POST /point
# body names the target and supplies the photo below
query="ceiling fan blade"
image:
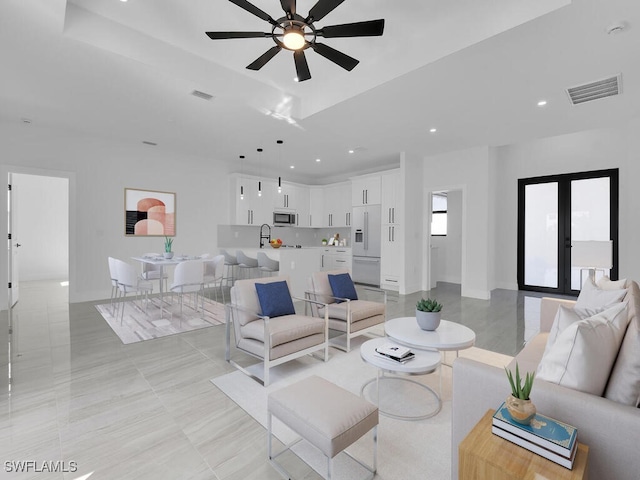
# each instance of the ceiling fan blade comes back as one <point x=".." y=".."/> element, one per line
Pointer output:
<point x="251" y="8"/>
<point x="289" y="6"/>
<point x="262" y="60"/>
<point x="302" y="67"/>
<point x="371" y="28"/>
<point x="337" y="57"/>
<point x="226" y="35"/>
<point x="321" y="9"/>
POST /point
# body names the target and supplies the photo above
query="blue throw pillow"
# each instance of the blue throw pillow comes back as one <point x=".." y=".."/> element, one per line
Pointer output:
<point x="275" y="299"/>
<point x="342" y="286"/>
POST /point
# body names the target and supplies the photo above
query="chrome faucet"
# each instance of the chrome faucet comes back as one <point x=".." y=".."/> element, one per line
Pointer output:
<point x="263" y="236"/>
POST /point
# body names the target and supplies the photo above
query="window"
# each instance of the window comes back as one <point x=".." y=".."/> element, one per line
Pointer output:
<point x="439" y="214"/>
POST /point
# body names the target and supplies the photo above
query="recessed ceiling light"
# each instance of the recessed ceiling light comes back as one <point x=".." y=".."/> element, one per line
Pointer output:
<point x="317" y="159"/>
<point x="433" y="130"/>
<point x="123" y="1"/>
<point x="351" y="151"/>
<point x="295" y="79"/>
<point x="542" y="103"/>
<point x="292" y="166"/>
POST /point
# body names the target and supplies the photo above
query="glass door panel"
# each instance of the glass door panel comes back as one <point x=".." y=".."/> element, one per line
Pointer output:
<point x="541" y="235"/>
<point x="590" y="216"/>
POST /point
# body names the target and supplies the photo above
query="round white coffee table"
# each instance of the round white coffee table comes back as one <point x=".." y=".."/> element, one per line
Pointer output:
<point x="448" y="336"/>
<point x="423" y="363"/>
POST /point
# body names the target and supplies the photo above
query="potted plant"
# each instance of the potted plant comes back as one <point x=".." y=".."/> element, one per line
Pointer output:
<point x="324" y="241"/>
<point x="428" y="314"/>
<point x="168" y="242"/>
<point x="519" y="405"/>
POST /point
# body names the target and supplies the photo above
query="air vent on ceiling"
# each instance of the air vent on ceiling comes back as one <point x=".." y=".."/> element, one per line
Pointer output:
<point x="146" y="142"/>
<point x="202" y="95"/>
<point x="592" y="91"/>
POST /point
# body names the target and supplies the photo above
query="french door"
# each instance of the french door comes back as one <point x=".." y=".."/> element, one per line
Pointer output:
<point x="555" y="211"/>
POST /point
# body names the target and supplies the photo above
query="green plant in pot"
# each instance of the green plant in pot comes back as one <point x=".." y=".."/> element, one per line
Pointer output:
<point x="519" y="405"/>
<point x="168" y="243"/>
<point x="428" y="314"/>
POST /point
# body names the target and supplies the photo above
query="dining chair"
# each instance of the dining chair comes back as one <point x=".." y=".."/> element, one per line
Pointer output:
<point x="246" y="264"/>
<point x="347" y="313"/>
<point x="213" y="274"/>
<point x="188" y="277"/>
<point x="266" y="265"/>
<point x="152" y="272"/>
<point x="114" y="282"/>
<point x="130" y="282"/>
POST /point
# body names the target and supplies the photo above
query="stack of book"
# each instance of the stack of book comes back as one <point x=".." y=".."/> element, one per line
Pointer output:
<point x="544" y="436"/>
<point x="394" y="352"/>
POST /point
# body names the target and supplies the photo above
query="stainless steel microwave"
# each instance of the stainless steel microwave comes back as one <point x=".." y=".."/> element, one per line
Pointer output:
<point x="281" y="219"/>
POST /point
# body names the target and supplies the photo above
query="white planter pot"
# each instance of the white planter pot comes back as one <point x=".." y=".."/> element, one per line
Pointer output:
<point x="168" y="255"/>
<point x="428" y="320"/>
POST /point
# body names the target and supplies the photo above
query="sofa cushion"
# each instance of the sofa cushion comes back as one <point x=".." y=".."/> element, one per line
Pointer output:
<point x="605" y="283"/>
<point x="275" y="299"/>
<point x="342" y="287"/>
<point x="593" y="300"/>
<point x="360" y="310"/>
<point x="284" y="329"/>
<point x="565" y="316"/>
<point x="624" y="381"/>
<point x="583" y="354"/>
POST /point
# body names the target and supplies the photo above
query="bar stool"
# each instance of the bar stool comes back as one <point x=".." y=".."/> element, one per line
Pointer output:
<point x="246" y="263"/>
<point x="266" y="265"/>
<point x="230" y="262"/>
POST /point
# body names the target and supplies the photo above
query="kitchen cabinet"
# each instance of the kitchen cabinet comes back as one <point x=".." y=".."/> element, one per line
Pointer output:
<point x="337" y="208"/>
<point x="366" y="190"/>
<point x="333" y="258"/>
<point x="316" y="207"/>
<point x="392" y="246"/>
<point x="255" y="208"/>
<point x="295" y="199"/>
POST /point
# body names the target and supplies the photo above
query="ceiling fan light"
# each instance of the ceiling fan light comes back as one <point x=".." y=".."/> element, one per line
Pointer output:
<point x="293" y="39"/>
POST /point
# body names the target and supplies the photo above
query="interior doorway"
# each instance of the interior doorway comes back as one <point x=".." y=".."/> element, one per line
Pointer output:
<point x="445" y="242"/>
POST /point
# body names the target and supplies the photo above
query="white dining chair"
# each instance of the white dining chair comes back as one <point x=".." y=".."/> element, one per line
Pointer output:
<point x="188" y="277"/>
<point x="130" y="282"/>
<point x="152" y="272"/>
<point x="213" y="274"/>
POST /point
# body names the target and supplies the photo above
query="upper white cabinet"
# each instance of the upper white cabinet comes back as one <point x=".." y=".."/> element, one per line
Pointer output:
<point x="391" y="199"/>
<point x="337" y="207"/>
<point x="294" y="198"/>
<point x="365" y="190"/>
<point x="316" y="207"/>
<point x="256" y="205"/>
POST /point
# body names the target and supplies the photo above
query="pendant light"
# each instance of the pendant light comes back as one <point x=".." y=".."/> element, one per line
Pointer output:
<point x="280" y="142"/>
<point x="242" y="170"/>
<point x="259" y="181"/>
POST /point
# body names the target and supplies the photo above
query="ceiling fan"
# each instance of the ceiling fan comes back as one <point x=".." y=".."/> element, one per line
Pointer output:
<point x="296" y="33"/>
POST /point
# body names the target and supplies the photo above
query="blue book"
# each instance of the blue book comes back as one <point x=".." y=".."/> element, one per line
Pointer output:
<point x="543" y="431"/>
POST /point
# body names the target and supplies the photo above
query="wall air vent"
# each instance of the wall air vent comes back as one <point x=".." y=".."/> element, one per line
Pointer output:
<point x="592" y="91"/>
<point x="202" y="95"/>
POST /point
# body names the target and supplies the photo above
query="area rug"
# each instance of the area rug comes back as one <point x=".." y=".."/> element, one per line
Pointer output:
<point x="406" y="449"/>
<point x="139" y="325"/>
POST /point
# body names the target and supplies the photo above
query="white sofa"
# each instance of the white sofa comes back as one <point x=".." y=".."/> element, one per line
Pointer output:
<point x="610" y="429"/>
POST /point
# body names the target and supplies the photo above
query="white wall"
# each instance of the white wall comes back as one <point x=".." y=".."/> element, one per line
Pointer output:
<point x="446" y="255"/>
<point x="617" y="147"/>
<point x="42" y="226"/>
<point x="101" y="169"/>
<point x="467" y="170"/>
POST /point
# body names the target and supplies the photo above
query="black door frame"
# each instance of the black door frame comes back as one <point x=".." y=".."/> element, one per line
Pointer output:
<point x="564" y="226"/>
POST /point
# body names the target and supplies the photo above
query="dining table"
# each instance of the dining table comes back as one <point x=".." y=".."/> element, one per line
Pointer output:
<point x="163" y="262"/>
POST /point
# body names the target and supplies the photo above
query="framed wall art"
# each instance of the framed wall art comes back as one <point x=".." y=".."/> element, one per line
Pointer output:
<point x="149" y="213"/>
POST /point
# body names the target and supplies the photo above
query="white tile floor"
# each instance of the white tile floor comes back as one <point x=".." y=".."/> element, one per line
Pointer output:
<point x="148" y="410"/>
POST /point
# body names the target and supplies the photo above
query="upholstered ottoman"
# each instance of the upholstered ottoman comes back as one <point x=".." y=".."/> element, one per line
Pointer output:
<point x="325" y="415"/>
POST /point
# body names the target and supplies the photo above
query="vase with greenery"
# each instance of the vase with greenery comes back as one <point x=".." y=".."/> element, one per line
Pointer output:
<point x="428" y="314"/>
<point x="168" y="243"/>
<point x="519" y="405"/>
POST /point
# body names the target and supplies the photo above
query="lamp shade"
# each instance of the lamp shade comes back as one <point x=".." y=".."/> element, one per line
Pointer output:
<point x="592" y="254"/>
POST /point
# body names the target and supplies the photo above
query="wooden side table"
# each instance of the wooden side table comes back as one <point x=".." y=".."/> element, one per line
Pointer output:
<point x="483" y="455"/>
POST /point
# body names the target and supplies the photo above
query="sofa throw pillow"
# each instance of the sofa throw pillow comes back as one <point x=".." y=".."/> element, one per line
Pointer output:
<point x="564" y="317"/>
<point x="275" y="299"/>
<point x="605" y="283"/>
<point x="342" y="286"/>
<point x="593" y="300"/>
<point x="583" y="354"/>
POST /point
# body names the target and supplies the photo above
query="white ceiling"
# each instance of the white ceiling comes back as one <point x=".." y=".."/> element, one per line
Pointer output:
<point x="473" y="70"/>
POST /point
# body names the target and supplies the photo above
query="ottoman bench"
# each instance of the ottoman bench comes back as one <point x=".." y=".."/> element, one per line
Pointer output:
<point x="325" y="415"/>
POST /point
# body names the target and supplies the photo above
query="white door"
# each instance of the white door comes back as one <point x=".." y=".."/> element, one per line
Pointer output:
<point x="14" y="246"/>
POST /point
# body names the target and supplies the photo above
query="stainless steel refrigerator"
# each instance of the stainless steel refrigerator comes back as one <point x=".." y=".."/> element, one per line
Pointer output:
<point x="365" y="238"/>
